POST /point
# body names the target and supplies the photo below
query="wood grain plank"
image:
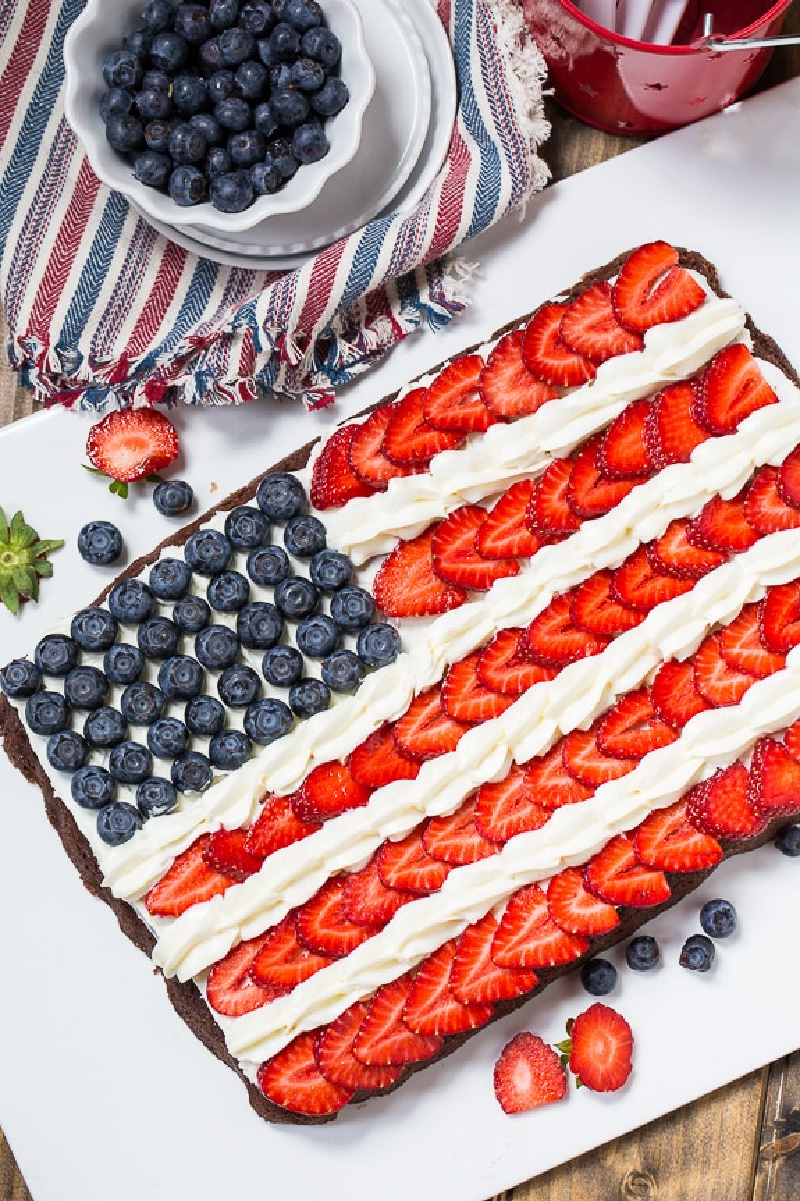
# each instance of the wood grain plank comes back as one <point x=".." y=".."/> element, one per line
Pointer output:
<point x="12" y="1186"/>
<point x="778" y="1168"/>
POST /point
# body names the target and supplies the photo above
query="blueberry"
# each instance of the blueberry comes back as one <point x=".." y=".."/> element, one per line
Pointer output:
<point x="788" y="841"/>
<point x="308" y="697"/>
<point x="265" y="52"/>
<point x="152" y="169"/>
<point x="86" y="688"/>
<point x="216" y="647"/>
<point x="304" y="536"/>
<point x="192" y="23"/>
<point x="378" y="644"/>
<point x="264" y="120"/>
<point x="94" y="629"/>
<point x="718" y="918"/>
<point x="92" y="787"/>
<point x="159" y="81"/>
<point x="317" y="636"/>
<point x="229" y="750"/>
<point x="189" y="95"/>
<point x="123" y="663"/>
<point x="303" y="14"/>
<point x="352" y="608"/>
<point x="280" y="77"/>
<point x="307" y="74"/>
<point x="100" y="543"/>
<point x="158" y="638"/>
<point x="56" y="655"/>
<point x="280" y="151"/>
<point x="142" y="703"/>
<point x="598" y="977"/>
<point x="223" y="13"/>
<point x="191" y="773"/>
<point x="237" y="45"/>
<point x="310" y="143"/>
<point x="289" y="107"/>
<point x="282" y="666"/>
<point x="247" y="148"/>
<point x="168" y="738"/>
<point x="192" y="614"/>
<point x="187" y="186"/>
<point x="251" y="79"/>
<point x="67" y="751"/>
<point x="268" y="566"/>
<point x="154" y="104"/>
<point x="221" y="86"/>
<point x="322" y="44"/>
<point x="139" y="43"/>
<point x="267" y="720"/>
<point x="218" y="162"/>
<point x="124" y="133"/>
<point x="697" y="953"/>
<point x="157" y="135"/>
<point x="239" y="686"/>
<point x="296" y="598"/>
<point x="158" y="16"/>
<point x="228" y="592"/>
<point x="205" y="716"/>
<point x="116" y="102"/>
<point x="130" y="763"/>
<point x="281" y="496"/>
<point x="118" y="822"/>
<point x="642" y="953"/>
<point x="169" y="52"/>
<point x="259" y="626"/>
<point x="284" y="41"/>
<point x="155" y="797"/>
<point x="342" y="671"/>
<point x="212" y="131"/>
<point x="257" y="18"/>
<point x="105" y="727"/>
<point x="187" y="144"/>
<point x="208" y="552"/>
<point x="265" y="178"/>
<point x="246" y="527"/>
<point x="131" y="601"/>
<point x="211" y="57"/>
<point x="331" y="98"/>
<point x="170" y="579"/>
<point x="20" y="678"/>
<point x="231" y="193"/>
<point x="181" y="678"/>
<point x="122" y="69"/>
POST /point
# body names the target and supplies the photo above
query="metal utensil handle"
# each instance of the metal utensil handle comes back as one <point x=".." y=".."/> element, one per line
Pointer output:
<point x="716" y="43"/>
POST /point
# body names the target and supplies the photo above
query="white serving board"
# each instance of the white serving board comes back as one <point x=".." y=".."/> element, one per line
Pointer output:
<point x="103" y="1092"/>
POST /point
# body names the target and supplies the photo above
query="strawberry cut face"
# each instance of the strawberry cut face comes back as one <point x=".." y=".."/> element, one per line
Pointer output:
<point x="129" y="444"/>
<point x="546" y="354"/>
<point x="590" y="326"/>
<point x="292" y="1080"/>
<point x="507" y="387"/>
<point x="652" y="289"/>
<point x="453" y="401"/>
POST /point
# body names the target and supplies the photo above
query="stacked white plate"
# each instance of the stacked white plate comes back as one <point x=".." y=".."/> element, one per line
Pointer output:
<point x="404" y="139"/>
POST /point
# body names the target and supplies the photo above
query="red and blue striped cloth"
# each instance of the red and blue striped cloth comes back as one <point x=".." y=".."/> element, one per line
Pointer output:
<point x="103" y="311"/>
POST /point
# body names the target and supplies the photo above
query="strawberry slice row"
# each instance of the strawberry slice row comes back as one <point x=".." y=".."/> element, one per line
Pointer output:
<point x="562" y="346"/>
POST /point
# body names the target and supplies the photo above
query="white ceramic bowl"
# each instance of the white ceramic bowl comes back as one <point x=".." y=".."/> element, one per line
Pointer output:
<point x="101" y="28"/>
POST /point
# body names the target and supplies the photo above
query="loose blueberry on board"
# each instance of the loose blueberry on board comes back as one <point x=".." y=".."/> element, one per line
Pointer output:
<point x="281" y="496"/>
<point x="123" y="663"/>
<point x="156" y="797"/>
<point x="168" y="738"/>
<point x="308" y="697"/>
<point x="304" y="536"/>
<point x="131" y="602"/>
<point x="697" y="953"/>
<point x="20" y="678"/>
<point x="94" y="630"/>
<point x="170" y="579"/>
<point x="352" y="609"/>
<point x="330" y="570"/>
<point x="204" y="716"/>
<point x="92" y="787"/>
<point x="317" y="636"/>
<point x="56" y="655"/>
<point x="642" y="953"/>
<point x="142" y="703"/>
<point x="158" y="638"/>
<point x="105" y="727"/>
<point x="378" y="644"/>
<point x="259" y="626"/>
<point x="86" y="687"/>
<point x="216" y="647"/>
<point x="173" y="497"/>
<point x="268" y="566"/>
<point x="46" y="713"/>
<point x="267" y="720"/>
<point x="342" y="671"/>
<point x="296" y="598"/>
<point x="598" y="977"/>
<point x="788" y="841"/>
<point x="283" y="666"/>
<point x="67" y="751"/>
<point x="118" y="822"/>
<point x="130" y="763"/>
<point x="192" y="772"/>
<point x="230" y="750"/>
<point x="192" y="614"/>
<point x="181" y="678"/>
<point x="246" y="527"/>
<point x="718" y="918"/>
<point x="207" y="552"/>
<point x="239" y="686"/>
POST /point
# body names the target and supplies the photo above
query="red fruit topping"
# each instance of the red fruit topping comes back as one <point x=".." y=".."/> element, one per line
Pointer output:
<point x="584" y="760"/>
<point x="714" y="679"/>
<point x="639" y="585"/>
<point x="407" y="866"/>
<point x="602" y="1047"/>
<point x="503" y="667"/>
<point x="553" y="641"/>
<point x="549" y="514"/>
<point x="455" y="554"/>
<point x="671" y="431"/>
<point x="328" y="790"/>
<point x="590" y="326"/>
<point x="375" y="761"/>
<point x="293" y="1081"/>
<point x="528" y="937"/>
<point x="129" y="444"/>
<point x="731" y="388"/>
<point x="230" y="989"/>
<point x="504" y="534"/>
<point x="333" y="1050"/>
<point x="431" y="1007"/>
<point x="453" y="401"/>
<point x="333" y="482"/>
<point x="623" y="452"/>
<point x="507" y="387"/>
<point x="366" y="899"/>
<point x="576" y="910"/>
<point x="475" y="979"/>
<point x="720" y="805"/>
<point x="652" y="289"/>
<point x="546" y="354"/>
<point x="550" y="784"/>
<point x="721" y="525"/>
<point x="187" y="882"/>
<point x="633" y="728"/>
<point x="425" y="730"/>
<point x="674" y="694"/>
<point x="282" y="962"/>
<point x="227" y="852"/>
<point x="764" y="507"/>
<point x="528" y="1074"/>
<point x="507" y="808"/>
<point x="789" y="478"/>
<point x="741" y="646"/>
<point x="791" y="740"/>
<point x="673" y="554"/>
<point x="456" y="839"/>
<point x="277" y="826"/>
<point x="615" y="875"/>
<point x="324" y="927"/>
<point x="594" y="608"/>
<point x="383" y="1038"/>
<point x="589" y="492"/>
<point x="368" y="463"/>
<point x="667" y="839"/>
<point x="780" y="617"/>
<point x="410" y="438"/>
<point x="466" y="698"/>
<point x="774" y="779"/>
<point x="407" y="586"/>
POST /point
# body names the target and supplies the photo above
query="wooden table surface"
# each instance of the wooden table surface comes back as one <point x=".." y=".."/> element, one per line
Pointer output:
<point x="741" y="1143"/>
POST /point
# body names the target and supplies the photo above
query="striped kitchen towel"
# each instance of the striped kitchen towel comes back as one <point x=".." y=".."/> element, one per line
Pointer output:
<point x="103" y="311"/>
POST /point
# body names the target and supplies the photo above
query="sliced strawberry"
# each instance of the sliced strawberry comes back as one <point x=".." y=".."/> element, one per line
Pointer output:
<point x="651" y="289"/>
<point x="507" y="387"/>
<point x="282" y="961"/>
<point x="407" y="586"/>
<point x="277" y="826"/>
<point x="528" y="1073"/>
<point x="425" y="730"/>
<point x="673" y="554"/>
<point x="456" y="839"/>
<point x="368" y="462"/>
<point x="552" y="640"/>
<point x="716" y="682"/>
<point x="721" y="805"/>
<point x="602" y="1049"/>
<point x="383" y="1038"/>
<point x="589" y="765"/>
<point x="187" y="882"/>
<point x="292" y="1080"/>
<point x="589" y="492"/>
<point x="576" y="910"/>
<point x="507" y="808"/>
<point x="594" y="608"/>
<point x="764" y="507"/>
<point x="671" y="432"/>
<point x="546" y="354"/>
<point x="721" y="525"/>
<point x="466" y="698"/>
<point x="615" y="875"/>
<point x="632" y="728"/>
<point x="453" y="402"/>
<point x="741" y="646"/>
<point x="780" y="617"/>
<point x="674" y="694"/>
<point x="550" y="784"/>
<point x="333" y="482"/>
<point x="774" y="780"/>
<point x="455" y="555"/>
<point x="789" y="478"/>
<point x="528" y="937"/>
<point x="504" y="534"/>
<point x="431" y="1007"/>
<point x="623" y="451"/>
<point x="503" y="666"/>
<point x="405" y="865"/>
<point x="410" y="438"/>
<point x="227" y="852"/>
<point x="333" y="1050"/>
<point x="590" y="326"/>
<point x="732" y="387"/>
<point x="475" y="979"/>
<point x="791" y="740"/>
<point x="666" y="839"/>
<point x="375" y="761"/>
<point x="324" y="927"/>
<point x="367" y="901"/>
<point x="549" y="514"/>
<point x="230" y="988"/>
<point x="129" y="444"/>
<point x="328" y="790"/>
<point x="637" y="584"/>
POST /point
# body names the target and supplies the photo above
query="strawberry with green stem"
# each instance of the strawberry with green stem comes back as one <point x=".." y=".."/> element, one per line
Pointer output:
<point x="23" y="561"/>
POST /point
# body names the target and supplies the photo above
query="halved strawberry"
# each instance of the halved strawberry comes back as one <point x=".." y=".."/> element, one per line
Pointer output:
<point x="632" y="728"/>
<point x="504" y="667"/>
<point x="466" y="698"/>
<point x="550" y="784"/>
<point x="292" y="1080"/>
<point x="129" y="444"/>
<point x="230" y="988"/>
<point x="549" y="514"/>
<point x="507" y="808"/>
<point x="667" y="839"/>
<point x="407" y="586"/>
<point x="576" y="910"/>
<point x="714" y="679"/>
<point x="590" y="326"/>
<point x="651" y="289"/>
<point x="504" y="534"/>
<point x="405" y="865"/>
<point x="615" y="875"/>
<point x="602" y="1049"/>
<point x="741" y="646"/>
<point x="323" y="926"/>
<point x="475" y="979"/>
<point x="375" y="761"/>
<point x="674" y="554"/>
<point x="507" y="387"/>
<point x="187" y="882"/>
<point x="367" y="901"/>
<point x="623" y="451"/>
<point x="431" y="1007"/>
<point x="282" y="961"/>
<point x="589" y="492"/>
<point x="410" y="438"/>
<point x="780" y="617"/>
<point x="721" y="806"/>
<point x="226" y="851"/>
<point x="674" y="693"/>
<point x="455" y="555"/>
<point x="764" y="507"/>
<point x="671" y="432"/>
<point x="383" y="1038"/>
<point x="425" y="730"/>
<point x="528" y="937"/>
<point x="731" y="388"/>
<point x="453" y="402"/>
<point x="552" y="640"/>
<point x="774" y="780"/>
<point x="528" y="1073"/>
<point x="328" y="790"/>
<point x="333" y="482"/>
<point x="595" y="609"/>
<point x="368" y="462"/>
<point x="791" y="740"/>
<point x="637" y="584"/>
<point x="584" y="760"/>
<point x="721" y="525"/>
<point x="546" y="354"/>
<point x="789" y="478"/>
<point x="456" y="839"/>
<point x="277" y="826"/>
<point x="333" y="1051"/>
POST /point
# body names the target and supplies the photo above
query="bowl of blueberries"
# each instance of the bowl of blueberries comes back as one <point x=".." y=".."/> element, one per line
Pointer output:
<point x="217" y="112"/>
